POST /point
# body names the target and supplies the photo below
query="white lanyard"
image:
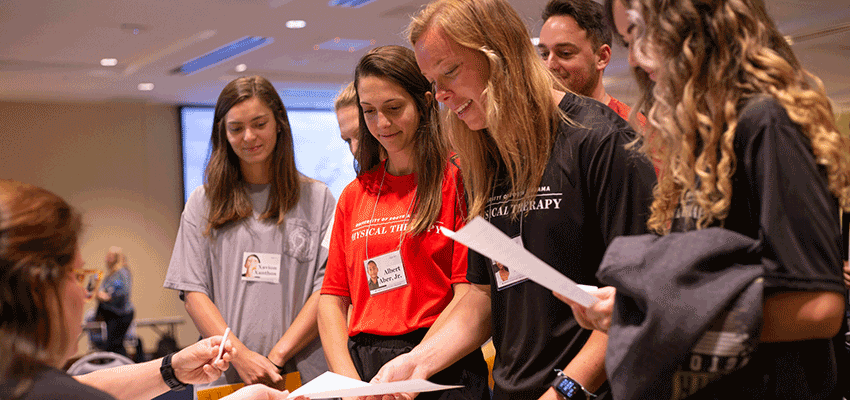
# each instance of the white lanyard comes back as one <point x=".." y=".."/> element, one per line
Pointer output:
<point x="375" y="207"/>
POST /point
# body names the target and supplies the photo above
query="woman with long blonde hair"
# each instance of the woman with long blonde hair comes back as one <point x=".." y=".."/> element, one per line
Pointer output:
<point x="549" y="169"/>
<point x="748" y="142"/>
<point x="114" y="306"/>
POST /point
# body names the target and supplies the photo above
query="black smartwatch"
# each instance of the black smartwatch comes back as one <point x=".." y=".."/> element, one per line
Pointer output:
<point x="569" y="389"/>
<point x="168" y="375"/>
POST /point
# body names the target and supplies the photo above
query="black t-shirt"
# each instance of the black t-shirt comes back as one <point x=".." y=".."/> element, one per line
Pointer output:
<point x="781" y="197"/>
<point x="51" y="384"/>
<point x="593" y="190"/>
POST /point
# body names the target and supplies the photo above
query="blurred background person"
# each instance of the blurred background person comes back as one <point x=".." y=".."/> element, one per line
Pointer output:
<point x="347" y="115"/>
<point x="114" y="306"/>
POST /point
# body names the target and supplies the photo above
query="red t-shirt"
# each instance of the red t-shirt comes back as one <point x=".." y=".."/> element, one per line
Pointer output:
<point x="432" y="262"/>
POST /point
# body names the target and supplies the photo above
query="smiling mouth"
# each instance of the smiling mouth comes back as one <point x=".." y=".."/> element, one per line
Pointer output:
<point x="463" y="108"/>
<point x="253" y="149"/>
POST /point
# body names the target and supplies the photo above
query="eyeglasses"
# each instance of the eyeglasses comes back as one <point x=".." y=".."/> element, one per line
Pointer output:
<point x="88" y="279"/>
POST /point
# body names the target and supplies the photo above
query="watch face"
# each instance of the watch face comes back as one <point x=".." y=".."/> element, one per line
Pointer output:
<point x="570" y="389"/>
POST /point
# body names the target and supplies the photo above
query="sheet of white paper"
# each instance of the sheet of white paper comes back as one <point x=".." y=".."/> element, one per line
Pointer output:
<point x="330" y="385"/>
<point x="483" y="237"/>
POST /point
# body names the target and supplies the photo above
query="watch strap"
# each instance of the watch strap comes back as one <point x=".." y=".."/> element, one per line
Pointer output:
<point x="168" y="376"/>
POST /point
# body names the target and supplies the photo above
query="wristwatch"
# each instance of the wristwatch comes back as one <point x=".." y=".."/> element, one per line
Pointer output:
<point x="168" y="375"/>
<point x="569" y="389"/>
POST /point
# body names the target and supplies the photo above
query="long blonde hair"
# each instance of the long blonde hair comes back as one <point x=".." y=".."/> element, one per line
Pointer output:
<point x="522" y="117"/>
<point x="718" y="54"/>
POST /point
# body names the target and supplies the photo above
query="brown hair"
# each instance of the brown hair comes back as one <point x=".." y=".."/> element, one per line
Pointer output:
<point x="522" y="116"/>
<point x="716" y="55"/>
<point x="38" y="242"/>
<point x="645" y="84"/>
<point x="398" y="65"/>
<point x="587" y="14"/>
<point x="224" y="183"/>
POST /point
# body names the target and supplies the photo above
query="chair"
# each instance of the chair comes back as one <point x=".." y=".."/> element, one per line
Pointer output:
<point x="97" y="361"/>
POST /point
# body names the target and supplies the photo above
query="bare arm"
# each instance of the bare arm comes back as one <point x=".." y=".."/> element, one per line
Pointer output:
<point x="466" y="327"/>
<point x="191" y="365"/>
<point x="588" y="366"/>
<point x="789" y="316"/>
<point x="251" y="366"/>
<point x="459" y="289"/>
<point x="301" y="333"/>
<point x="333" y="330"/>
<point x="794" y="316"/>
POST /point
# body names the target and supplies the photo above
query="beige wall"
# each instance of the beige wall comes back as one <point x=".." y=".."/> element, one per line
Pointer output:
<point x="120" y="165"/>
<point x="843" y="122"/>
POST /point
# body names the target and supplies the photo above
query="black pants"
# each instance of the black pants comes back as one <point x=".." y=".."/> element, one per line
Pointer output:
<point x="116" y="328"/>
<point x="371" y="352"/>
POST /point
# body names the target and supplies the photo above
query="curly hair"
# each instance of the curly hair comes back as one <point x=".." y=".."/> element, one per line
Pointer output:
<point x="716" y="55"/>
<point x="521" y="114"/>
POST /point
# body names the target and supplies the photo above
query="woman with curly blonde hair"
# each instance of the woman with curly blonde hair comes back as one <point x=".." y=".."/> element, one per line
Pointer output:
<point x="748" y="142"/>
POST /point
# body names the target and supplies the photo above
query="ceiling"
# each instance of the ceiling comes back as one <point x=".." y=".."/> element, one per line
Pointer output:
<point x="51" y="50"/>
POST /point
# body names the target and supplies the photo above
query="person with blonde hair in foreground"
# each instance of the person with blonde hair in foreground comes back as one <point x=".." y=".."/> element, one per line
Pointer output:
<point x="748" y="143"/>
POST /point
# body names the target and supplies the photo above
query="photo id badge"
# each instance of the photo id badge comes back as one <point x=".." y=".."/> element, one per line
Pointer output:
<point x="261" y="267"/>
<point x="505" y="277"/>
<point x="385" y="272"/>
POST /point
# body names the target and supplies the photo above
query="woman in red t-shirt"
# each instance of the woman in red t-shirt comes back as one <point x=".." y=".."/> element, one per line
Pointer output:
<point x="387" y="259"/>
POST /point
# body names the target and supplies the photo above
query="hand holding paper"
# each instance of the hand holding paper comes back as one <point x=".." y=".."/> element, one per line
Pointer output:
<point x="598" y="315"/>
<point x="330" y="385"/>
<point x="481" y="236"/>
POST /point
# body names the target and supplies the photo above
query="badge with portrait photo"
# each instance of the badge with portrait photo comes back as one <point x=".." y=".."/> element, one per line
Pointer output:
<point x="385" y="272"/>
<point x="261" y="267"/>
<point x="503" y="275"/>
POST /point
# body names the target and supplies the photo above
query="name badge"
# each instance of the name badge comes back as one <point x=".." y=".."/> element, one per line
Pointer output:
<point x="261" y="267"/>
<point x="385" y="272"/>
<point x="503" y="276"/>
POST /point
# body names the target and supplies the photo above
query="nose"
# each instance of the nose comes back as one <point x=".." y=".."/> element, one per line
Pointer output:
<point x="383" y="121"/>
<point x="440" y="92"/>
<point x="550" y="62"/>
<point x="249" y="135"/>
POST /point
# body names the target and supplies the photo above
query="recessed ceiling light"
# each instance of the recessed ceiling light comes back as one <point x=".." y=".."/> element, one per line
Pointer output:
<point x="241" y="68"/>
<point x="109" y="62"/>
<point x="296" y="24"/>
<point x="535" y="41"/>
<point x="145" y="87"/>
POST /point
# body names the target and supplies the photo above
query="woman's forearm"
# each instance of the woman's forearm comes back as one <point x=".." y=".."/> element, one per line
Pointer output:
<point x="794" y="316"/>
